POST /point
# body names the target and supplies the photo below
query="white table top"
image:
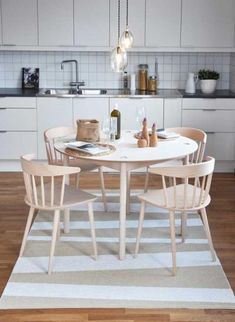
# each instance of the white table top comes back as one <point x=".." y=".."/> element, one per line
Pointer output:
<point x="128" y="151"/>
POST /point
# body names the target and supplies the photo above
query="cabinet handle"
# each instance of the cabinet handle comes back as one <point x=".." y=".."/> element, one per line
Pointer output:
<point x="2" y="108"/>
<point x="9" y="45"/>
<point x="135" y="98"/>
<point x="1" y="132"/>
<point x="210" y="132"/>
<point x="209" y="110"/>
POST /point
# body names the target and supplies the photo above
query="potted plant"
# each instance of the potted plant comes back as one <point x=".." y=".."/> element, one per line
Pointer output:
<point x="208" y="80"/>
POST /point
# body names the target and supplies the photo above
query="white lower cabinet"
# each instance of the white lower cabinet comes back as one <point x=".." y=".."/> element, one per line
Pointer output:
<point x="18" y="127"/>
<point x="14" y="144"/>
<point x="52" y="112"/>
<point x="90" y="108"/>
<point x="129" y="109"/>
<point x="217" y="118"/>
<point x="172" y="112"/>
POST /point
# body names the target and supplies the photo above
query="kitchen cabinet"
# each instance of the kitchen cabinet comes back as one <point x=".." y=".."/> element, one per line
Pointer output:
<point x="91" y="23"/>
<point x="18" y="128"/>
<point x="90" y="108"/>
<point x="163" y="18"/>
<point x="129" y="109"/>
<point x="207" y="23"/>
<point x="172" y="112"/>
<point x="136" y="21"/>
<point x="217" y="118"/>
<point x="52" y="112"/>
<point x="19" y="26"/>
<point x="55" y="21"/>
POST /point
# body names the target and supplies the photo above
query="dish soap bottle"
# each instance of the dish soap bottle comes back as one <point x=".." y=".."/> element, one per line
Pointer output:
<point x="116" y="121"/>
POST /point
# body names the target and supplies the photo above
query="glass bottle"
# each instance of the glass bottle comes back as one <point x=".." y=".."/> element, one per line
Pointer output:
<point x="143" y="77"/>
<point x="116" y="121"/>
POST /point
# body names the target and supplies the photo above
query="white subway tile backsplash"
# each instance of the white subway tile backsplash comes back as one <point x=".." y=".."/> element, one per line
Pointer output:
<point x="95" y="70"/>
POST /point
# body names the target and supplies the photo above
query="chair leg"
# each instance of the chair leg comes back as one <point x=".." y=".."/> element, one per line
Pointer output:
<point x="128" y="193"/>
<point x="140" y="227"/>
<point x="77" y="180"/>
<point x="58" y="229"/>
<point x="183" y="225"/>
<point x="103" y="189"/>
<point x="208" y="234"/>
<point x="27" y="228"/>
<point x="92" y="224"/>
<point x="146" y="183"/>
<point x="53" y="240"/>
<point x="66" y="221"/>
<point x="173" y="245"/>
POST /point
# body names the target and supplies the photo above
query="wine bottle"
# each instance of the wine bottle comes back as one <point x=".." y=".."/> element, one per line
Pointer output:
<point x="116" y="120"/>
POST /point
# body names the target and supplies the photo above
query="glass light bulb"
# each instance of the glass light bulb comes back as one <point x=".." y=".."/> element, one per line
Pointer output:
<point x="127" y="39"/>
<point x="118" y="59"/>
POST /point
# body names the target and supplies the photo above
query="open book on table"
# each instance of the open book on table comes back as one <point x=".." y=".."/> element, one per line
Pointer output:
<point x="86" y="147"/>
<point x="165" y="134"/>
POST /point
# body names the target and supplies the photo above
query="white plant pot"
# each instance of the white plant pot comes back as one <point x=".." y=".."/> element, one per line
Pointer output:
<point x="208" y="85"/>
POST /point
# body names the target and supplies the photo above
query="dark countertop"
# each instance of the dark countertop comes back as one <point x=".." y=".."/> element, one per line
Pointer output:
<point x="163" y="93"/>
<point x="18" y="92"/>
<point x="221" y="93"/>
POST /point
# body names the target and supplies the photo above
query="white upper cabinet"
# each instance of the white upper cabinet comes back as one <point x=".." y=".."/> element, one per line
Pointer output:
<point x="207" y="23"/>
<point x="163" y="23"/>
<point x="55" y="20"/>
<point x="19" y="22"/>
<point x="91" y="23"/>
<point x="136" y="21"/>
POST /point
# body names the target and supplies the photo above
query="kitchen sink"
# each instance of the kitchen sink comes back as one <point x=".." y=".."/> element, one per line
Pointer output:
<point x="92" y="91"/>
<point x="70" y="92"/>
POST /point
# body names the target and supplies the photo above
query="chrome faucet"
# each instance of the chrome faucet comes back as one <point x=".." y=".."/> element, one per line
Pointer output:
<point x="76" y="83"/>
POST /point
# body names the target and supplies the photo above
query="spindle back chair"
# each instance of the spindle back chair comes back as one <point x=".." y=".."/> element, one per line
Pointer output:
<point x="190" y="196"/>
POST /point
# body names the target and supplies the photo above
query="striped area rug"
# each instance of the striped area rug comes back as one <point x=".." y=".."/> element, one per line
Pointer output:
<point x="79" y="281"/>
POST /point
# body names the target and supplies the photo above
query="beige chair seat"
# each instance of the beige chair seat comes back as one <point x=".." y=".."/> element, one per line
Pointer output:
<point x="156" y="197"/>
<point x="72" y="197"/>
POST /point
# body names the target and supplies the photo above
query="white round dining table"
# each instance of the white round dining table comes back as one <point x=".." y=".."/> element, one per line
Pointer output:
<point x="128" y="157"/>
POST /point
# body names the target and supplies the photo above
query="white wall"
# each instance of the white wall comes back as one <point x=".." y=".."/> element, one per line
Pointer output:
<point x="94" y="67"/>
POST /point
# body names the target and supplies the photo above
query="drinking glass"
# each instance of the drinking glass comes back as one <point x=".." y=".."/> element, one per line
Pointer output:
<point x="140" y="115"/>
<point x="106" y="128"/>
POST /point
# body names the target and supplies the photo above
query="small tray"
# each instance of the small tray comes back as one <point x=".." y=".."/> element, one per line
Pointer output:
<point x="74" y="153"/>
<point x="138" y="136"/>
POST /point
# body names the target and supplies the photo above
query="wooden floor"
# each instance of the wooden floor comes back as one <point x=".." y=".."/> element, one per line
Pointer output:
<point x="13" y="214"/>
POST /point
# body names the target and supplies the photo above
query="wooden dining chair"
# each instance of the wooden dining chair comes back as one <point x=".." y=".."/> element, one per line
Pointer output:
<point x="46" y="190"/>
<point x="190" y="196"/>
<point x="195" y="134"/>
<point x="56" y="158"/>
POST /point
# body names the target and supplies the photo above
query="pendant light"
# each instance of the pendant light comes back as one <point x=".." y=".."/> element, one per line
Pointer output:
<point x="127" y="38"/>
<point x="118" y="55"/>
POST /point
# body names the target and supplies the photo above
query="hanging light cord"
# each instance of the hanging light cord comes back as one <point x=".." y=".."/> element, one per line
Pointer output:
<point x="119" y="9"/>
<point x="127" y="7"/>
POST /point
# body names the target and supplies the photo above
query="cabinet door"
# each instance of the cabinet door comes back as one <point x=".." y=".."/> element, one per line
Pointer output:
<point x="129" y="109"/>
<point x="163" y="23"/>
<point x="207" y="23"/>
<point x="172" y="112"/>
<point x="136" y="21"/>
<point x="209" y="120"/>
<point x="55" y="20"/>
<point x="18" y="119"/>
<point x="221" y="146"/>
<point x="90" y="108"/>
<point x="15" y="144"/>
<point x="19" y="22"/>
<point x="91" y="23"/>
<point x="52" y="112"/>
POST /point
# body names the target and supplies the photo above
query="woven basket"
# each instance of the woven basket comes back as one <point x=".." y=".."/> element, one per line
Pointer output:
<point x="88" y="130"/>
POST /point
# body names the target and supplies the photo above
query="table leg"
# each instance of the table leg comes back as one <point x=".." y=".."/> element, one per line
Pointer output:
<point x="66" y="212"/>
<point x="123" y="190"/>
<point x="128" y="192"/>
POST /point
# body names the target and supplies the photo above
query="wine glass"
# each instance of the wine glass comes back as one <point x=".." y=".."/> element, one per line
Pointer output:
<point x="140" y="115"/>
<point x="106" y="128"/>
